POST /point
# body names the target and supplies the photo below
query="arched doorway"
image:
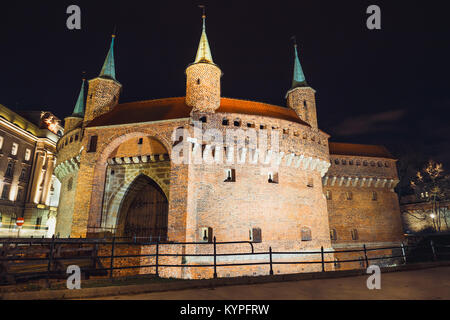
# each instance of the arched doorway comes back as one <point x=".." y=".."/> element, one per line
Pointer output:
<point x="144" y="211"/>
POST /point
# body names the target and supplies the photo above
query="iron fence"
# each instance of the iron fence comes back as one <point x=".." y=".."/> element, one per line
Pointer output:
<point x="24" y="259"/>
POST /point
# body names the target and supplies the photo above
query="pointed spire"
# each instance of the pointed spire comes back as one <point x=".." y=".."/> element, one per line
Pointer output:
<point x="203" y="51"/>
<point x="299" y="79"/>
<point x="78" y="111"/>
<point x="108" y="69"/>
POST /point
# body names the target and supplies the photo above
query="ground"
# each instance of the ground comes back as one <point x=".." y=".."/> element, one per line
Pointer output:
<point x="426" y="284"/>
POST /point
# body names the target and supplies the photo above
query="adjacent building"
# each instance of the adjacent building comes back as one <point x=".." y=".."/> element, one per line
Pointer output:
<point x="28" y="188"/>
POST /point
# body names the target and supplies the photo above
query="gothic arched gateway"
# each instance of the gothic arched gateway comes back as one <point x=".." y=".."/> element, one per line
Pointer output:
<point x="143" y="211"/>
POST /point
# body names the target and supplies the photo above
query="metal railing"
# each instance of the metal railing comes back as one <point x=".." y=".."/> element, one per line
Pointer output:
<point x="47" y="257"/>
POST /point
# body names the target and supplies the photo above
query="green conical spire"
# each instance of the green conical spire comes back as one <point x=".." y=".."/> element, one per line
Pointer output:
<point x="203" y="51"/>
<point x="109" y="70"/>
<point x="78" y="111"/>
<point x="299" y="78"/>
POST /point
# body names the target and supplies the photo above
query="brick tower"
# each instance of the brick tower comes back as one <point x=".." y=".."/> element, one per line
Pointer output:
<point x="104" y="90"/>
<point x="203" y="78"/>
<point x="301" y="97"/>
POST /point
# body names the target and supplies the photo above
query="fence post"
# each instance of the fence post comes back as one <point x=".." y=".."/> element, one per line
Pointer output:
<point x="50" y="258"/>
<point x="433" y="250"/>
<point x="112" y="257"/>
<point x="270" y="256"/>
<point x="215" y="258"/>
<point x="157" y="259"/>
<point x="403" y="252"/>
<point x="365" y="256"/>
<point x="323" y="260"/>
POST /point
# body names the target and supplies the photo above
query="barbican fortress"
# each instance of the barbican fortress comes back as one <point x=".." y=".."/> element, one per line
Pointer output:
<point x="118" y="176"/>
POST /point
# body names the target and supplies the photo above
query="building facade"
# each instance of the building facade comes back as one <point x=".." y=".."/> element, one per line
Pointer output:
<point x="29" y="189"/>
<point x="192" y="168"/>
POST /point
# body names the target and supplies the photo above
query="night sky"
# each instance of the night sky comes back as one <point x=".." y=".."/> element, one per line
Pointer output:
<point x="388" y="86"/>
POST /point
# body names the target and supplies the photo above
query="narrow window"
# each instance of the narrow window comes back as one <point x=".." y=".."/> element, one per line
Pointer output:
<point x="350" y="162"/>
<point x="386" y="164"/>
<point x="305" y="104"/>
<point x="206" y="234"/>
<point x="237" y="123"/>
<point x="19" y="194"/>
<point x="23" y="174"/>
<point x="76" y="137"/>
<point x="92" y="144"/>
<point x="112" y="172"/>
<point x="14" y="149"/>
<point x="38" y="223"/>
<point x="310" y="183"/>
<point x="306" y="234"/>
<point x="262" y="126"/>
<point x="27" y="155"/>
<point x="9" y="170"/>
<point x="140" y="141"/>
<point x="203" y="119"/>
<point x="344" y="162"/>
<point x="71" y="139"/>
<point x="255" y="235"/>
<point x="365" y="163"/>
<point x="333" y="235"/>
<point x="198" y="81"/>
<point x="230" y="175"/>
<point x="272" y="177"/>
<point x="355" y="234"/>
<point x="5" y="191"/>
<point x="328" y="195"/>
<point x="70" y="184"/>
<point x="225" y="122"/>
<point x="374" y="196"/>
<point x="349" y="195"/>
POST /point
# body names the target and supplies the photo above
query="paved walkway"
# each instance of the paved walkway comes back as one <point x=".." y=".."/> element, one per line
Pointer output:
<point x="433" y="283"/>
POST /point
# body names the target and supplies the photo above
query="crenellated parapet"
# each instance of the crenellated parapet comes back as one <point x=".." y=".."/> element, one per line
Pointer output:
<point x="67" y="167"/>
<point x="359" y="181"/>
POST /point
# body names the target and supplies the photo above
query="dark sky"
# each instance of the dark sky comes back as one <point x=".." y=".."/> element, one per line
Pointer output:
<point x="389" y="86"/>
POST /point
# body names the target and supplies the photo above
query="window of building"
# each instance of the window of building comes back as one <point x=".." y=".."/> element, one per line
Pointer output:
<point x="272" y="177"/>
<point x="230" y="175"/>
<point x="310" y="183"/>
<point x="333" y="235"/>
<point x="250" y="125"/>
<point x="358" y="163"/>
<point x="328" y="194"/>
<point x="374" y="196"/>
<point x="255" y="235"/>
<point x="305" y="104"/>
<point x="23" y="174"/>
<point x="344" y="162"/>
<point x="70" y="184"/>
<point x="206" y="234"/>
<point x="355" y="234"/>
<point x="380" y="164"/>
<point x="386" y="164"/>
<point x="349" y="195"/>
<point x="336" y="161"/>
<point x="92" y="144"/>
<point x="203" y="119"/>
<point x="365" y="163"/>
<point x="237" y="123"/>
<point x="14" y="149"/>
<point x="198" y="81"/>
<point x="38" y="223"/>
<point x="350" y="162"/>
<point x="19" y="194"/>
<point x="262" y="126"/>
<point x="306" y="234"/>
<point x="9" y="170"/>
<point x="286" y="131"/>
<point x="71" y="139"/>
<point x="1" y="142"/>
<point x="140" y="141"/>
<point x="27" y="154"/>
<point x="76" y="137"/>
<point x="372" y="163"/>
<point x="5" y="191"/>
<point x="225" y="122"/>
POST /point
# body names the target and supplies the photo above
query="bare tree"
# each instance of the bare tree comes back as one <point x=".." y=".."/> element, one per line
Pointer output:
<point x="432" y="185"/>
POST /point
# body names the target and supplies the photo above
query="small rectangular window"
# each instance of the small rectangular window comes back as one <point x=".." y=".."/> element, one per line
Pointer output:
<point x="14" y="149"/>
<point x="374" y="196"/>
<point x="92" y="144"/>
<point x="230" y="175"/>
<point x="306" y="234"/>
<point x="140" y="141"/>
<point x="355" y="234"/>
<point x="328" y="194"/>
<point x="333" y="235"/>
<point x="255" y="235"/>
<point x="5" y="191"/>
<point x="349" y="195"/>
<point x="272" y="177"/>
<point x="27" y="155"/>
<point x="206" y="234"/>
<point x="310" y="183"/>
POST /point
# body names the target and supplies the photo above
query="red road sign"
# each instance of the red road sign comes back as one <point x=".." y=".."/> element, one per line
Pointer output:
<point x="20" y="222"/>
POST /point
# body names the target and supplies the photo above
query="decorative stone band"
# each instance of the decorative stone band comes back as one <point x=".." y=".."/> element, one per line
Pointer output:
<point x="253" y="156"/>
<point x="67" y="167"/>
<point x="367" y="182"/>
<point x="138" y="159"/>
